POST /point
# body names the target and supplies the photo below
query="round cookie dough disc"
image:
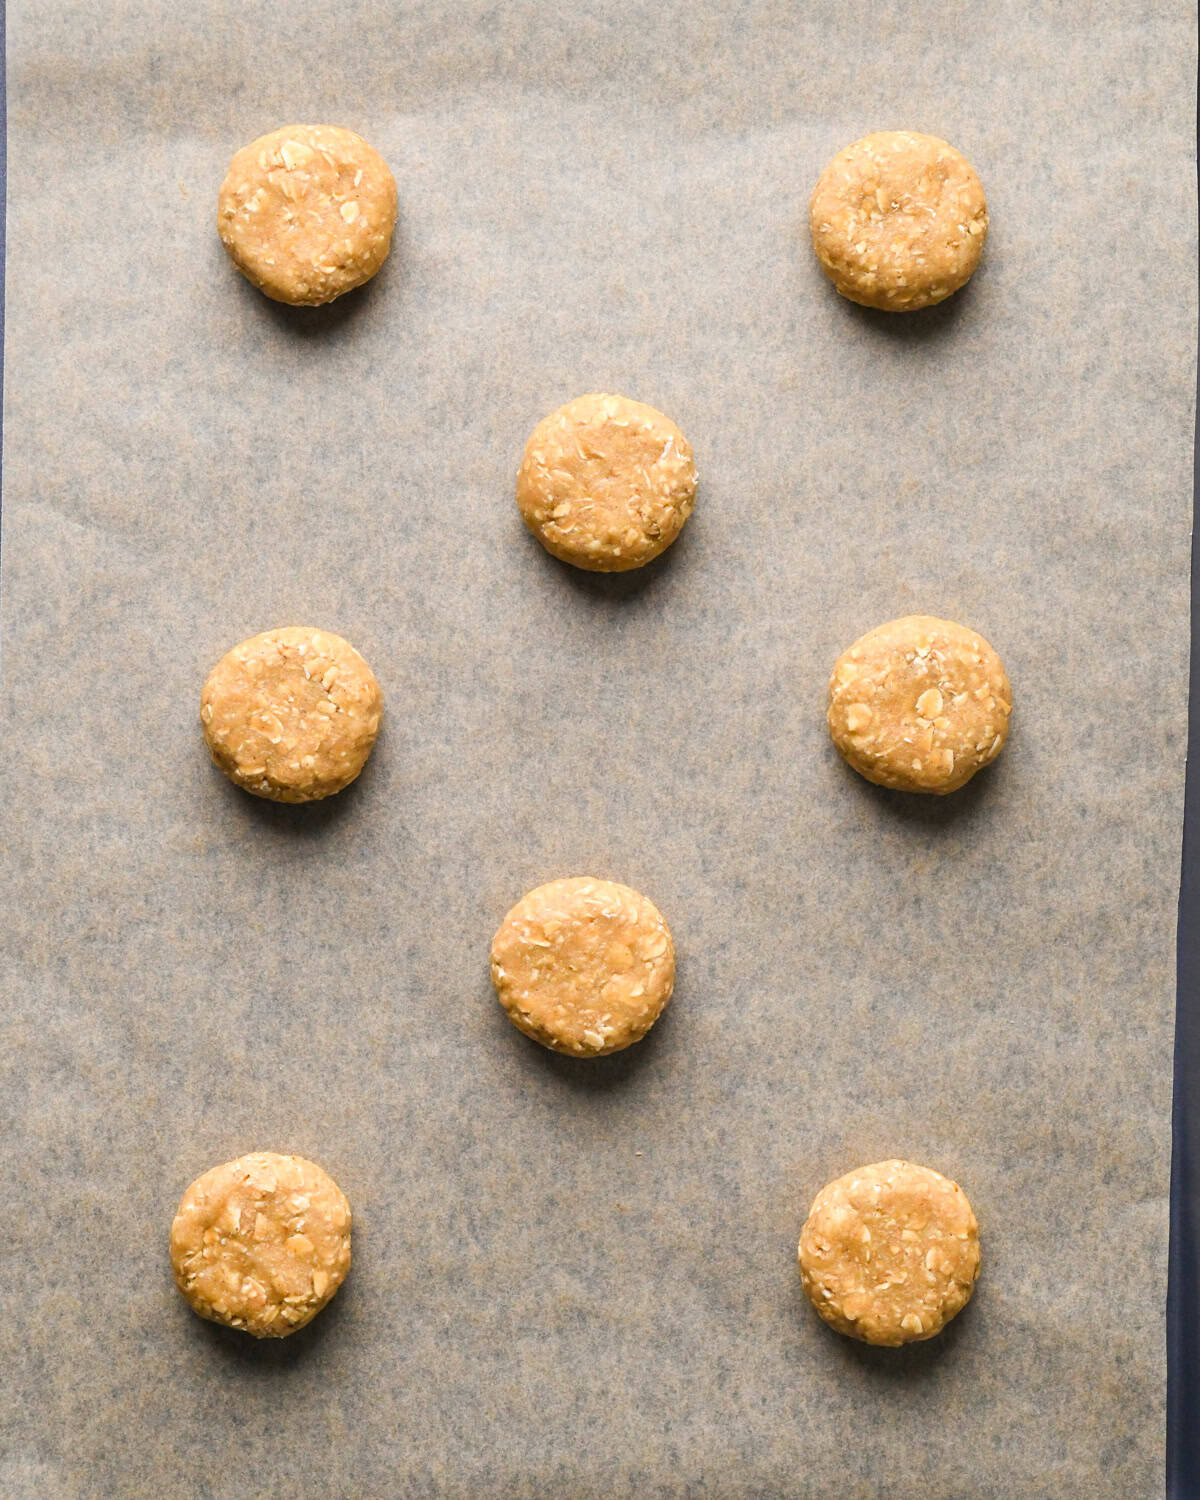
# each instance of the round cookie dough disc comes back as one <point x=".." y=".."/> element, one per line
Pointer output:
<point x="898" y="220"/>
<point x="307" y="213"/>
<point x="919" y="704"/>
<point x="291" y="714"/>
<point x="606" y="483"/>
<point x="583" y="966"/>
<point x="261" y="1243"/>
<point x="889" y="1253"/>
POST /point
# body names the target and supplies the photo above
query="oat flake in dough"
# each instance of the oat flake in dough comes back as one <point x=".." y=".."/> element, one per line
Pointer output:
<point x="261" y="1243"/>
<point x="919" y="704"/>
<point x="292" y="714"/>
<point x="583" y="966"/>
<point x="898" y="220"/>
<point x="889" y="1253"/>
<point x="307" y="212"/>
<point x="606" y="483"/>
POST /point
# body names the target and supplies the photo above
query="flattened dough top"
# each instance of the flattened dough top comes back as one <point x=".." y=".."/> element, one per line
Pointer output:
<point x="606" y="483"/>
<point x="307" y="212"/>
<point x="898" y="220"/>
<point x="292" y="714"/>
<point x="919" y="704"/>
<point x="261" y="1243"/>
<point x="890" y="1252"/>
<point x="584" y="966"/>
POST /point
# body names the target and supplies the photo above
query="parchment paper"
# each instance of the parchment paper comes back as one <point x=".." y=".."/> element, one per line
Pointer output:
<point x="571" y="1280"/>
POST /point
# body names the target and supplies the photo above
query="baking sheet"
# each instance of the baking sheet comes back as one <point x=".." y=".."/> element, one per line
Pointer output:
<point x="580" y="1280"/>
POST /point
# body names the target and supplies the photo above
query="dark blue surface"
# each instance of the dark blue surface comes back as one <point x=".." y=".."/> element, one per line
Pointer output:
<point x="1183" y="1296"/>
<point x="3" y="202"/>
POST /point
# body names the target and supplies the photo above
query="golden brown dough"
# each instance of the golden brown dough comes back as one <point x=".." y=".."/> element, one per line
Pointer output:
<point x="261" y="1243"/>
<point x="583" y="966"/>
<point x="898" y="220"/>
<point x="606" y="483"/>
<point x="890" y="1253"/>
<point x="307" y="212"/>
<point x="292" y="714"/>
<point x="919" y="704"/>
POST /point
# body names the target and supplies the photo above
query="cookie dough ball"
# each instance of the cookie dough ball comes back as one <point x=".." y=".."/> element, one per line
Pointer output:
<point x="291" y="714"/>
<point x="307" y="213"/>
<point x="919" y="704"/>
<point x="583" y="966"/>
<point x="889" y="1254"/>
<point x="898" y="220"/>
<point x="261" y="1243"/>
<point x="606" y="483"/>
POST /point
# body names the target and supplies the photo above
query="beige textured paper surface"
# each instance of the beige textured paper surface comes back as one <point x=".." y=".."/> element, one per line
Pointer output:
<point x="569" y="1280"/>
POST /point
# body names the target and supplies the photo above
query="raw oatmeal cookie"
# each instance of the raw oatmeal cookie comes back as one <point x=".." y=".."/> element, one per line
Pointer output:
<point x="606" y="483"/>
<point x="261" y="1243"/>
<point x="889" y="1253"/>
<point x="583" y="966"/>
<point x="898" y="220"/>
<point x="307" y="212"/>
<point x="919" y="704"/>
<point x="291" y="715"/>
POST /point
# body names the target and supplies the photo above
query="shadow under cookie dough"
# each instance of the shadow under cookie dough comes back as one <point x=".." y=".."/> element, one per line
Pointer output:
<point x="586" y="1075"/>
<point x="329" y="317"/>
<point x="612" y="589"/>
<point x="301" y="819"/>
<point x="925" y="809"/>
<point x="250" y="1355"/>
<point x="925" y="324"/>
<point x="907" y="1363"/>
